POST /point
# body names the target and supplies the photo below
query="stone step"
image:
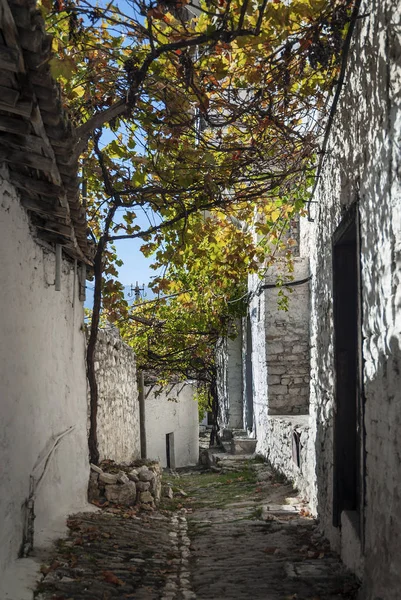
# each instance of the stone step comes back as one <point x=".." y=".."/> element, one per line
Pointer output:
<point x="227" y="445"/>
<point x="239" y="433"/>
<point x="243" y="445"/>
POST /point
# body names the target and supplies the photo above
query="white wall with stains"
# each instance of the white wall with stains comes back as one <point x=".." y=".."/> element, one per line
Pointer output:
<point x="172" y="410"/>
<point x="43" y="382"/>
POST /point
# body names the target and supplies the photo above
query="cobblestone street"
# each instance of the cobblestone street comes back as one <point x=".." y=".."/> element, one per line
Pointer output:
<point x="236" y="532"/>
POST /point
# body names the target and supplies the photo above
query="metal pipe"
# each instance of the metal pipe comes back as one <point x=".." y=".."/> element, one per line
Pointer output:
<point x="141" y="398"/>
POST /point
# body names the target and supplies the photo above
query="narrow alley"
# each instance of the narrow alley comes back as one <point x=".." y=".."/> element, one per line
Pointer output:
<point x="236" y="531"/>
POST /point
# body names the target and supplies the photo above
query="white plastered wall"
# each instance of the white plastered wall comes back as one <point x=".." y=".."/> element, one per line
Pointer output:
<point x="172" y="410"/>
<point x="43" y="382"/>
<point x="363" y="163"/>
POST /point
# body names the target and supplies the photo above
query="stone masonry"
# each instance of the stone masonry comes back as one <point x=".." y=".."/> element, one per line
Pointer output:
<point x="287" y="346"/>
<point x="362" y="168"/>
<point x="118" y="413"/>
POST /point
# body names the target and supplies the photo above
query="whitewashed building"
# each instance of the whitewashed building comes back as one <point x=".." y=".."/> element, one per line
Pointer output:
<point x="325" y="406"/>
<point x="44" y="250"/>
<point x="171" y="424"/>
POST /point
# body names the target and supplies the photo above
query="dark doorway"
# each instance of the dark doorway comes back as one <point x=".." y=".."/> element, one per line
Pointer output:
<point x="348" y="422"/>
<point x="170" y="458"/>
<point x="248" y="378"/>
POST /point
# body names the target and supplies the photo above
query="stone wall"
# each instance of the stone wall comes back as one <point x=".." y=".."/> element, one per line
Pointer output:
<point x="43" y="384"/>
<point x="288" y="450"/>
<point x="363" y="164"/>
<point x="229" y="381"/>
<point x="118" y="409"/>
<point x="138" y="483"/>
<point x="172" y="411"/>
<point x="287" y="344"/>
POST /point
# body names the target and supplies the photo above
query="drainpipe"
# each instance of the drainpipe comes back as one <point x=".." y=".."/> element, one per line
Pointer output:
<point x="141" y="398"/>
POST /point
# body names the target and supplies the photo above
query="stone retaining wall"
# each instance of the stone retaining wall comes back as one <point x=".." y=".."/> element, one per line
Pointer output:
<point x="138" y="483"/>
<point x="118" y="409"/>
<point x="288" y="450"/>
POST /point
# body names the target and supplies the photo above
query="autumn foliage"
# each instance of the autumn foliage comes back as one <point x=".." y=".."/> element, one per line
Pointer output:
<point x="205" y="115"/>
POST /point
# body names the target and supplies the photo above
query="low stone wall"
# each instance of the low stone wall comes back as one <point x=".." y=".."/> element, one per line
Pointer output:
<point x="136" y="484"/>
<point x="288" y="450"/>
<point x="118" y="406"/>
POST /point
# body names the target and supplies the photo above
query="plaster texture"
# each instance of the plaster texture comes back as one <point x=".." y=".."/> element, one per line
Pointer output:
<point x="230" y="381"/>
<point x="363" y="164"/>
<point x="172" y="410"/>
<point x="43" y="382"/>
<point x="118" y="409"/>
<point x="256" y="322"/>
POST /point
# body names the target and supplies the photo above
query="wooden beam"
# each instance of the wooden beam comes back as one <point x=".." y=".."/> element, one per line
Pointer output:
<point x="9" y="59"/>
<point x="10" y="32"/>
<point x="31" y="40"/>
<point x="57" y="228"/>
<point x="29" y="159"/>
<point x="43" y="188"/>
<point x="40" y="130"/>
<point x="13" y="125"/>
<point x="82" y="282"/>
<point x="32" y="143"/>
<point x="23" y="108"/>
<point x="42" y="208"/>
<point x="8" y="95"/>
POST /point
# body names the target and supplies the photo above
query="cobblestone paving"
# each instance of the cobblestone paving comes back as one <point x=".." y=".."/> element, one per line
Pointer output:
<point x="231" y="534"/>
<point x="120" y="555"/>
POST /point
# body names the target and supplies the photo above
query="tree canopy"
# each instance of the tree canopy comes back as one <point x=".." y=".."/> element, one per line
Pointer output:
<point x="206" y="114"/>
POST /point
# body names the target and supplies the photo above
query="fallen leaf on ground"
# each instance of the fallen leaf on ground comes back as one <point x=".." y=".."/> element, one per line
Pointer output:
<point x="111" y="578"/>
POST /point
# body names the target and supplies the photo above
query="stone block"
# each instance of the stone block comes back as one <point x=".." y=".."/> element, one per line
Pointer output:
<point x="96" y="469"/>
<point x="143" y="486"/>
<point x="145" y="498"/>
<point x="122" y="477"/>
<point x="278" y="389"/>
<point x="121" y="494"/>
<point x="133" y="475"/>
<point x="146" y="475"/>
<point x="108" y="478"/>
<point x="243" y="446"/>
<point x="168" y="492"/>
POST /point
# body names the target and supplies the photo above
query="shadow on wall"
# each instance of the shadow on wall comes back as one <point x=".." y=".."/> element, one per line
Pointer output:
<point x="377" y="493"/>
<point x="382" y="531"/>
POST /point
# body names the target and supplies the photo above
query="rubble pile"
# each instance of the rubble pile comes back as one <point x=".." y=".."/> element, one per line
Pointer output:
<point x="127" y="485"/>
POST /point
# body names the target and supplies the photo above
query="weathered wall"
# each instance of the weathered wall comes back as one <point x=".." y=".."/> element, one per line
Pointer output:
<point x="43" y="380"/>
<point x="282" y="450"/>
<point x="287" y="343"/>
<point x="256" y="322"/>
<point x="363" y="163"/>
<point x="172" y="410"/>
<point x="229" y="381"/>
<point x="118" y="409"/>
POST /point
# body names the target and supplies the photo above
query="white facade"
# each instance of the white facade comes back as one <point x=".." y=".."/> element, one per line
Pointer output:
<point x="362" y="170"/>
<point x="43" y="383"/>
<point x="171" y="423"/>
<point x="344" y="451"/>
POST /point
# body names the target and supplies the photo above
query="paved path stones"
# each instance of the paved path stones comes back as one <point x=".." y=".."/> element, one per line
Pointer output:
<point x="235" y="533"/>
<point x="120" y="555"/>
